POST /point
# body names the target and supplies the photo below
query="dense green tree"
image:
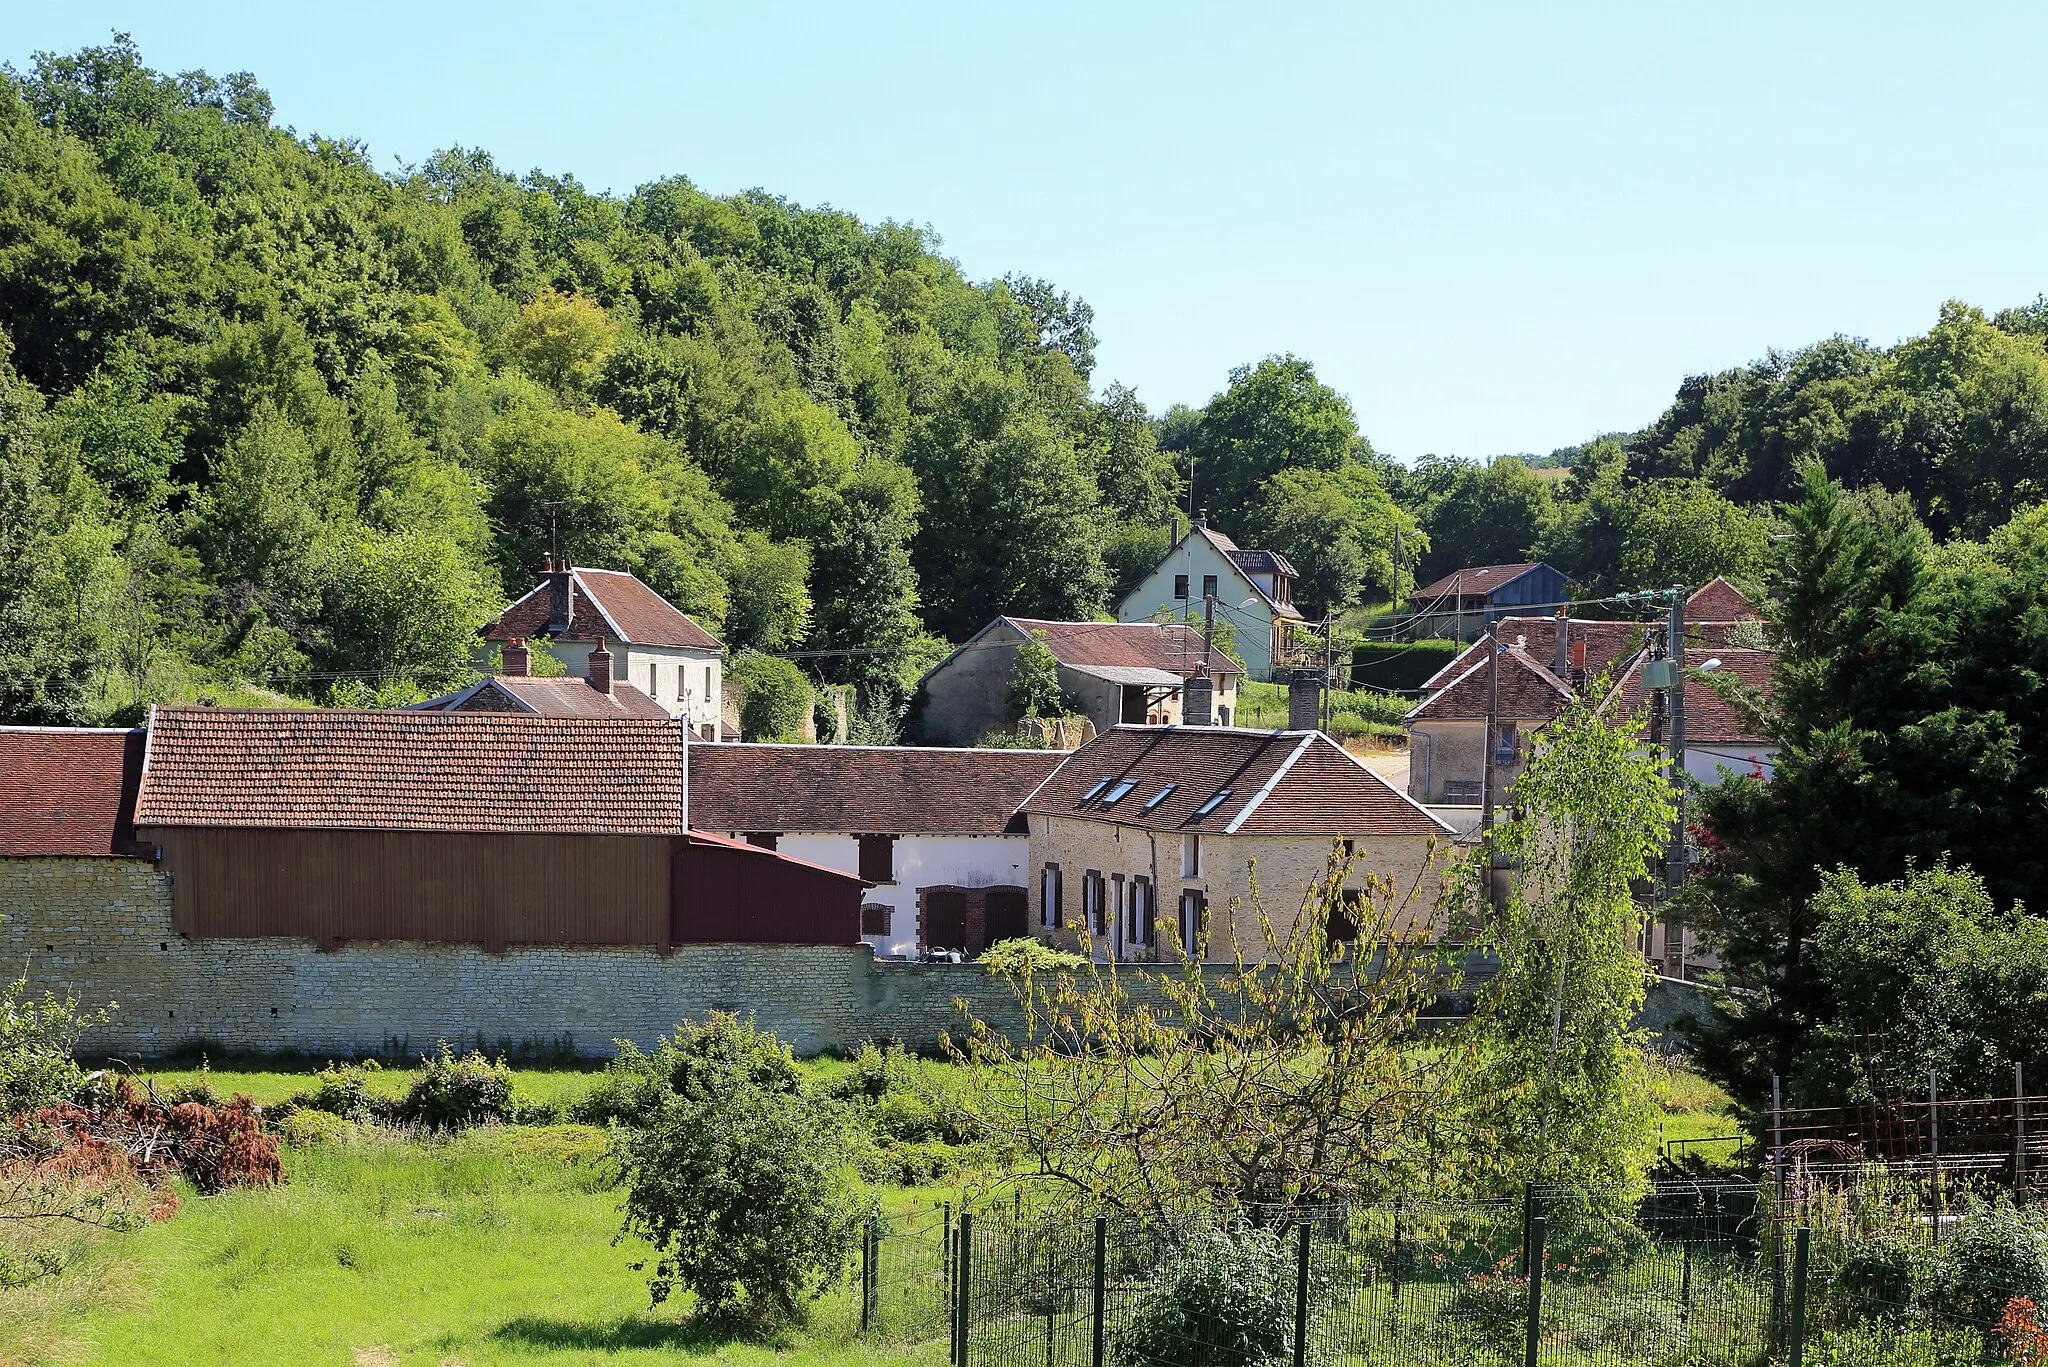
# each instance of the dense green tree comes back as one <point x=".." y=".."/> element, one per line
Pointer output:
<point x="774" y="696"/>
<point x="1475" y="514"/>
<point x="1275" y="416"/>
<point x="770" y="595"/>
<point x="402" y="607"/>
<point x="1337" y="529"/>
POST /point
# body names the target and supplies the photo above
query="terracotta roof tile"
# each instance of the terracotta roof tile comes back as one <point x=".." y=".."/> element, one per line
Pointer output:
<point x="1606" y="643"/>
<point x="424" y="771"/>
<point x="1719" y="601"/>
<point x="1169" y="646"/>
<point x="566" y="696"/>
<point x="68" y="792"/>
<point x="1317" y="789"/>
<point x="1709" y="718"/>
<point x="880" y="790"/>
<point x="1528" y="691"/>
<point x="610" y="605"/>
<point x="1474" y="581"/>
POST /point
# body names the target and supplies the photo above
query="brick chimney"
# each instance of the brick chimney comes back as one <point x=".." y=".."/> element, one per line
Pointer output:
<point x="561" y="598"/>
<point x="516" y="660"/>
<point x="1305" y="700"/>
<point x="601" y="670"/>
<point x="1579" y="664"/>
<point x="1198" y="700"/>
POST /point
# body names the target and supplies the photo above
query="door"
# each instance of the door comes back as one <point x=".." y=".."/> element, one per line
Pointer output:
<point x="1133" y="712"/>
<point x="945" y="919"/>
<point x="1007" y="913"/>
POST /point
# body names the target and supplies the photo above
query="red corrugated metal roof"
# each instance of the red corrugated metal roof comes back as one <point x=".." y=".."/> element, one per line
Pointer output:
<point x="1315" y="788"/>
<point x="877" y="790"/>
<point x="67" y="792"/>
<point x="427" y="771"/>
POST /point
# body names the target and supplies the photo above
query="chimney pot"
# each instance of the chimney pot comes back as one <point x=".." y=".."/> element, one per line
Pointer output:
<point x="517" y="660"/>
<point x="601" y="670"/>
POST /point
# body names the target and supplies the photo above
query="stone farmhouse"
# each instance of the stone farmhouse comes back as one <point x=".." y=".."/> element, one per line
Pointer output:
<point x="609" y="627"/>
<point x="1150" y="829"/>
<point x="1120" y="672"/>
<point x="934" y="832"/>
<point x="1254" y="593"/>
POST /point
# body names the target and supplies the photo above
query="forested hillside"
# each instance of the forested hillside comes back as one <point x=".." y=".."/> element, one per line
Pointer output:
<point x="275" y="422"/>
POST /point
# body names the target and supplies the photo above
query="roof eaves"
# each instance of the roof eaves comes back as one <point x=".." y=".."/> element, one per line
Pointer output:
<point x="1387" y="783"/>
<point x="1308" y="738"/>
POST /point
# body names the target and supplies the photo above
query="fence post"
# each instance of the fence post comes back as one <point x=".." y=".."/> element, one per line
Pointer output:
<point x="1307" y="1229"/>
<point x="1534" y="1334"/>
<point x="963" y="1268"/>
<point x="2019" y="1134"/>
<point x="1397" y="1256"/>
<point x="1101" y="1285"/>
<point x="868" y="1242"/>
<point x="1934" y="1142"/>
<point x="1528" y="1215"/>
<point x="1798" y="1353"/>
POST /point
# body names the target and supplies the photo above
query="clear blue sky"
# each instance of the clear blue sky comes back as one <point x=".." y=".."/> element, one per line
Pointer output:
<point x="1496" y="228"/>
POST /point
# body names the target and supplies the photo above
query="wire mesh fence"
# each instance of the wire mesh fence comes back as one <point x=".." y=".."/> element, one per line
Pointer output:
<point x="1693" y="1275"/>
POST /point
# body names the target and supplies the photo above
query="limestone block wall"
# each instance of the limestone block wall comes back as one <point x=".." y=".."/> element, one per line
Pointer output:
<point x="100" y="930"/>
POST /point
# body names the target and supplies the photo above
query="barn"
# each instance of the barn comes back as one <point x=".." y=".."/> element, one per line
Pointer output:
<point x="491" y="829"/>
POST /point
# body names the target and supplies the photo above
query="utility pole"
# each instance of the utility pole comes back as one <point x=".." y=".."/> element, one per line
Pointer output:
<point x="1675" y="649"/>
<point x="1208" y="633"/>
<point x="1486" y="794"/>
<point x="1329" y="670"/>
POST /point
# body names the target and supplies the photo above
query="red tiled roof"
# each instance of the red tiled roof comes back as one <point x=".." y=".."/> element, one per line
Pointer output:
<point x="1709" y="718"/>
<point x="1606" y="643"/>
<point x="1528" y="691"/>
<point x="422" y="771"/>
<point x="68" y="792"/>
<point x="880" y="790"/>
<point x="1719" y="601"/>
<point x="566" y="696"/>
<point x="1315" y="788"/>
<point x="1170" y="646"/>
<point x="1474" y="581"/>
<point x="609" y="605"/>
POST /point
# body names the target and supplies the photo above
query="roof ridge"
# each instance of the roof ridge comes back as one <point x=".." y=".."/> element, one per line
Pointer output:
<point x="1272" y="782"/>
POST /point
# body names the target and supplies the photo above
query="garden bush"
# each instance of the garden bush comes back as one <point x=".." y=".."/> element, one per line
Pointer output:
<point x="1994" y="1255"/>
<point x="341" y="1089"/>
<point x="451" y="1093"/>
<point x="1225" y="1298"/>
<point x="1873" y="1344"/>
<point x="744" y="1182"/>
<point x="1879" y="1277"/>
<point x="310" y="1128"/>
<point x="1013" y="958"/>
<point x="38" y="1038"/>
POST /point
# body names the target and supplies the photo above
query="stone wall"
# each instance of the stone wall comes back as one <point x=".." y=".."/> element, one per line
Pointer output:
<point x="100" y="930"/>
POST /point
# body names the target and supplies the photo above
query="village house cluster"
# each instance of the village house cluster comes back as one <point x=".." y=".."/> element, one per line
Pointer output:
<point x="613" y="807"/>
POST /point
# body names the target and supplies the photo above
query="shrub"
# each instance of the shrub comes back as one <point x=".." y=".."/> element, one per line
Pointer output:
<point x="1893" y="1345"/>
<point x="1225" y="1298"/>
<point x="1492" y="1308"/>
<point x="1995" y="1256"/>
<point x="38" y="1037"/>
<point x="1013" y="958"/>
<point x="341" y="1089"/>
<point x="1878" y="1277"/>
<point x="212" y="1147"/>
<point x="450" y="1093"/>
<point x="309" y="1128"/>
<point x="774" y="696"/>
<point x="744" y="1183"/>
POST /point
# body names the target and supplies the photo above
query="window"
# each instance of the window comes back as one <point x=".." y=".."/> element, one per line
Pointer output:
<point x="1212" y="804"/>
<point x="1191" y="855"/>
<point x="874" y="918"/>
<point x="878" y="858"/>
<point x="1180" y="586"/>
<point x="766" y="840"/>
<point x="1094" y="914"/>
<point x="1144" y="912"/>
<point x="1193" y="912"/>
<point x="1095" y="792"/>
<point x="1508" y="747"/>
<point x="1208" y="586"/>
<point x="1159" y="797"/>
<point x="1050" y="912"/>
<point x="1122" y="790"/>
<point x="1342" y="926"/>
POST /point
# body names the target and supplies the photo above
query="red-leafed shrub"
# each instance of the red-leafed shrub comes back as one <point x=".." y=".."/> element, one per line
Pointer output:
<point x="212" y="1147"/>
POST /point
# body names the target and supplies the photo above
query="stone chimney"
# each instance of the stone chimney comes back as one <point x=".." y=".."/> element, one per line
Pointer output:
<point x="1304" y="700"/>
<point x="1198" y="700"/>
<point x="516" y="660"/>
<point x="601" y="670"/>
<point x="561" y="598"/>
<point x="1560" y="651"/>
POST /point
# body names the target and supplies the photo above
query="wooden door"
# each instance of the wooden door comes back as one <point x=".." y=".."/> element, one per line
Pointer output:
<point x="1007" y="914"/>
<point x="945" y="919"/>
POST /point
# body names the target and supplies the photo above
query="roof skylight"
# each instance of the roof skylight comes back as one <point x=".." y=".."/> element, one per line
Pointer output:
<point x="1212" y="804"/>
<point x="1160" y="796"/>
<point x="1122" y="789"/>
<point x="1095" y="792"/>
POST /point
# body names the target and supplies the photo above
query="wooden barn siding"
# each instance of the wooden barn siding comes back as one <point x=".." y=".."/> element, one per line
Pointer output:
<point x="725" y="895"/>
<point x="419" y="885"/>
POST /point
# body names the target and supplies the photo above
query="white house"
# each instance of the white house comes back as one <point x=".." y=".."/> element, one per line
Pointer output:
<point x="1254" y="593"/>
<point x="654" y="648"/>
<point x="935" y="830"/>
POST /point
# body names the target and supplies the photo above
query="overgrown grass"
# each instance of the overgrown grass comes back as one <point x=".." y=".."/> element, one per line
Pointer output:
<point x="1359" y="712"/>
<point x="493" y="1246"/>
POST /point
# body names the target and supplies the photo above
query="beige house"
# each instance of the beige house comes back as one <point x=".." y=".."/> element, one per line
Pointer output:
<point x="1119" y="672"/>
<point x="1152" y="836"/>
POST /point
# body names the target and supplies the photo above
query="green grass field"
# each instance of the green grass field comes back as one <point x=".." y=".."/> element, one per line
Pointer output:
<point x="385" y="1247"/>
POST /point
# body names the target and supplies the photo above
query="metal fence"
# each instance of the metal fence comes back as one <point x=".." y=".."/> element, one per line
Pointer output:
<point x="1695" y="1275"/>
